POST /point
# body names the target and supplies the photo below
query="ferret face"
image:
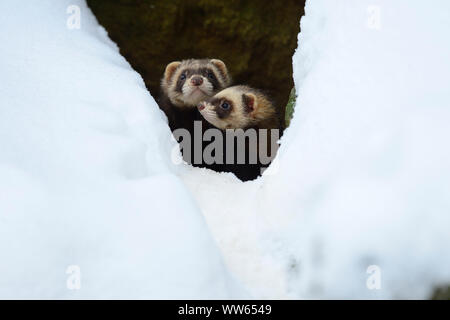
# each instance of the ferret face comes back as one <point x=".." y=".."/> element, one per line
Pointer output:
<point x="230" y="109"/>
<point x="188" y="82"/>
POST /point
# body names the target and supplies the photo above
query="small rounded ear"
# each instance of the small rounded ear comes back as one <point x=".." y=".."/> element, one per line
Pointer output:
<point x="222" y="68"/>
<point x="250" y="103"/>
<point x="170" y="69"/>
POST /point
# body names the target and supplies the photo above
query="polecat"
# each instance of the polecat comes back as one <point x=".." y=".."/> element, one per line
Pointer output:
<point x="242" y="107"/>
<point x="185" y="84"/>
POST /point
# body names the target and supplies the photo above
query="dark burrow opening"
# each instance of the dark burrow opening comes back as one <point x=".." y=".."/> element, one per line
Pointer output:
<point x="255" y="39"/>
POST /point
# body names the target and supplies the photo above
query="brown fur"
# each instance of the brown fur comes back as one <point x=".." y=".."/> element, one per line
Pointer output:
<point x="192" y="68"/>
<point x="175" y="99"/>
<point x="248" y="108"/>
<point x="179" y="102"/>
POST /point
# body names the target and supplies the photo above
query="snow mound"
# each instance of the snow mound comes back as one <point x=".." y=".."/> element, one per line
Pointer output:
<point x="358" y="206"/>
<point x="84" y="178"/>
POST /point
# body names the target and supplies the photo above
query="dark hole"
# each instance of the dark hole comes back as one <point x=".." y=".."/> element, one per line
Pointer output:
<point x="256" y="39"/>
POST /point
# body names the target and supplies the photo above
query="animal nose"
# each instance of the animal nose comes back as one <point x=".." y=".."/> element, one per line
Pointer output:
<point x="197" y="81"/>
<point x="201" y="106"/>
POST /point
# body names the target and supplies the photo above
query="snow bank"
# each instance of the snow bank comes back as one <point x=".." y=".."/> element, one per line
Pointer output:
<point x="368" y="144"/>
<point x="85" y="186"/>
<point x="359" y="205"/>
<point x="361" y="183"/>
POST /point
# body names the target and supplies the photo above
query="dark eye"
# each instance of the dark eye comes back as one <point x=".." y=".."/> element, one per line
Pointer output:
<point x="183" y="76"/>
<point x="211" y="75"/>
<point x="225" y="105"/>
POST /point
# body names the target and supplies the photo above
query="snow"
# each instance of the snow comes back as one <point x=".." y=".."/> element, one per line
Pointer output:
<point x="84" y="174"/>
<point x="361" y="181"/>
<point x="363" y="175"/>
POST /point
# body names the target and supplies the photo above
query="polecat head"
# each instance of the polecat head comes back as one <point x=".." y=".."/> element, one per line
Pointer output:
<point x="188" y="82"/>
<point x="239" y="107"/>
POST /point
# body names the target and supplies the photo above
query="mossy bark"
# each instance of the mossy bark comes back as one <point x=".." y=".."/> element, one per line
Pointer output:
<point x="441" y="293"/>
<point x="256" y="39"/>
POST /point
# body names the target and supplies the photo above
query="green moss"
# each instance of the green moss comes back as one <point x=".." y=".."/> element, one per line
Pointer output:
<point x="256" y="39"/>
<point x="290" y="107"/>
<point x="441" y="293"/>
